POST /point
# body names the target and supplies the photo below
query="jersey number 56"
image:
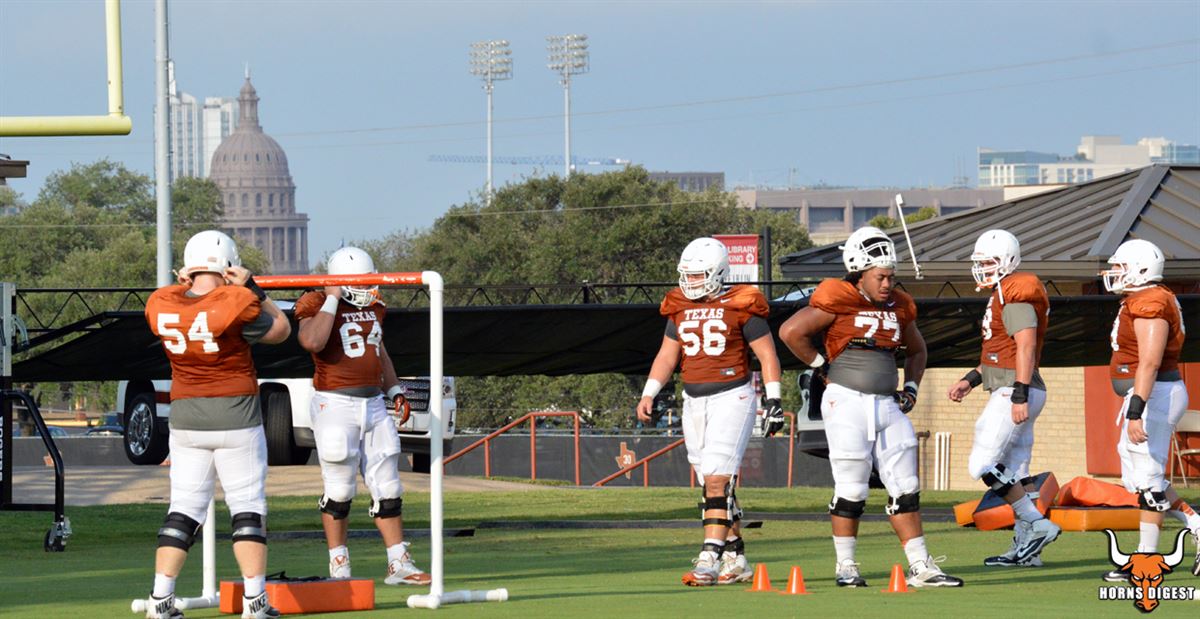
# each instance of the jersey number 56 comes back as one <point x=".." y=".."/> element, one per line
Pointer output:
<point x="711" y="337"/>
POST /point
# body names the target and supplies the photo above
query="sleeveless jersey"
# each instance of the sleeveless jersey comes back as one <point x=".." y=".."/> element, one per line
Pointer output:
<point x="351" y="354"/>
<point x="710" y="331"/>
<point x="999" y="347"/>
<point x="202" y="337"/>
<point x="1153" y="302"/>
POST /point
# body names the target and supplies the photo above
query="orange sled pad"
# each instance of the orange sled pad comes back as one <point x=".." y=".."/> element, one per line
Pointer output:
<point x="1095" y="518"/>
<point x="994" y="513"/>
<point x="293" y="597"/>
<point x="964" y="513"/>
<point x="1088" y="492"/>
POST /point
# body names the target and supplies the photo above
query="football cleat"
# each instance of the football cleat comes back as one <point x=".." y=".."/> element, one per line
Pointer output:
<point x="847" y="574"/>
<point x="402" y="571"/>
<point x="1039" y="534"/>
<point x="162" y="608"/>
<point x="734" y="569"/>
<point x="1116" y="576"/>
<point x="1009" y="558"/>
<point x="704" y="571"/>
<point x="927" y="574"/>
<point x="258" y="607"/>
<point x="339" y="566"/>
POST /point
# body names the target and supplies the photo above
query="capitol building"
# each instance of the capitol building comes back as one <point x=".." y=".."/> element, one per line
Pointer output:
<point x="251" y="170"/>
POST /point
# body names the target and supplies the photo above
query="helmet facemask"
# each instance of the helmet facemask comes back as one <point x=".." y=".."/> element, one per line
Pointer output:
<point x="360" y="297"/>
<point x="1136" y="265"/>
<point x="698" y="289"/>
<point x="707" y="258"/>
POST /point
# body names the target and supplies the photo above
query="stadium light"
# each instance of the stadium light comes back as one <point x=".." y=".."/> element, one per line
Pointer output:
<point x="490" y="61"/>
<point x="568" y="55"/>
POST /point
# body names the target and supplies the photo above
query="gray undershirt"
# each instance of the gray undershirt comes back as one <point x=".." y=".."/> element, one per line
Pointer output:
<point x="865" y="371"/>
<point x="223" y="413"/>
<point x="1017" y="317"/>
<point x="1121" y="386"/>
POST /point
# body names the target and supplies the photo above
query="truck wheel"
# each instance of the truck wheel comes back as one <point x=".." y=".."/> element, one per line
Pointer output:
<point x="145" y="441"/>
<point x="420" y="463"/>
<point x="277" y="425"/>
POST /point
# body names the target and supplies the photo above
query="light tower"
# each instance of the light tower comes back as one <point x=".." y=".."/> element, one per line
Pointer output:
<point x="568" y="55"/>
<point x="491" y="61"/>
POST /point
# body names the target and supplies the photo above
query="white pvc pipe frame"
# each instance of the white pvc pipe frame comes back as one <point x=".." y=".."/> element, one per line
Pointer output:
<point x="437" y="595"/>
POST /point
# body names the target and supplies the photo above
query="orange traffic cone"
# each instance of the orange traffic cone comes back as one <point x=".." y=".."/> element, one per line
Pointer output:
<point x="761" y="581"/>
<point x="898" y="583"/>
<point x="795" y="584"/>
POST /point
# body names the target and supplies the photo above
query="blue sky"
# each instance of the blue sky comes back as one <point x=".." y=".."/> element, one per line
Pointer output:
<point x="360" y="94"/>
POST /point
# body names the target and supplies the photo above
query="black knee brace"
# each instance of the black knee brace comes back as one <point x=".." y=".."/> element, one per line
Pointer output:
<point x="735" y="510"/>
<point x="998" y="479"/>
<point x="248" y="527"/>
<point x="736" y="547"/>
<point x="177" y="531"/>
<point x="847" y="509"/>
<point x="715" y="502"/>
<point x="1152" y="501"/>
<point x="385" y="508"/>
<point x="904" y="504"/>
<point x="340" y="510"/>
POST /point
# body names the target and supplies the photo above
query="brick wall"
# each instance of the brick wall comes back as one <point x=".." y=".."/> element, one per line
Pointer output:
<point x="1059" y="439"/>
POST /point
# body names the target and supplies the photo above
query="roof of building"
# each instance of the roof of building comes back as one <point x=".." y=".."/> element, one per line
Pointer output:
<point x="1065" y="234"/>
<point x="248" y="153"/>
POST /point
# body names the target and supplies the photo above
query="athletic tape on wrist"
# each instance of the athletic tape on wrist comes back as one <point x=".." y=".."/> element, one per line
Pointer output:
<point x="817" y="361"/>
<point x="330" y="305"/>
<point x="394" y="391"/>
<point x="652" y="388"/>
<point x="773" y="390"/>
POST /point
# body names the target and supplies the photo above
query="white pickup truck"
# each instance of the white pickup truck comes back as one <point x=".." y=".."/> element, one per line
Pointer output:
<point x="285" y="401"/>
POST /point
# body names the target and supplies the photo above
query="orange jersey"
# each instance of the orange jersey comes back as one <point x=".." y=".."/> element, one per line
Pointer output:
<point x="351" y="354"/>
<point x="710" y="331"/>
<point x="857" y="318"/>
<point x="203" y="340"/>
<point x="1153" y="302"/>
<point x="999" y="347"/>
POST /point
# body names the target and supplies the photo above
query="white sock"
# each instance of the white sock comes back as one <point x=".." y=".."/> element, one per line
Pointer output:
<point x="254" y="585"/>
<point x="339" y="551"/>
<point x="1148" y="542"/>
<point x="915" y="550"/>
<point x="396" y="551"/>
<point x="163" y="586"/>
<point x="1025" y="509"/>
<point x="1186" y="515"/>
<point x="844" y="547"/>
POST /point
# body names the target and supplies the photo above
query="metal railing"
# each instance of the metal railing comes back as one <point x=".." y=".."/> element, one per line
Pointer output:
<point x="644" y="463"/>
<point x="486" y="442"/>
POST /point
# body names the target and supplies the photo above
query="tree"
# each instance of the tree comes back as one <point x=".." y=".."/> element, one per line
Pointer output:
<point x="883" y="222"/>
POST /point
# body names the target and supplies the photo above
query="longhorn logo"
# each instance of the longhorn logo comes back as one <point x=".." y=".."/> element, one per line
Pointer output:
<point x="1146" y="569"/>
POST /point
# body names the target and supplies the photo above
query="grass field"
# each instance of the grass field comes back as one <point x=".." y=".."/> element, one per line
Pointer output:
<point x="580" y="573"/>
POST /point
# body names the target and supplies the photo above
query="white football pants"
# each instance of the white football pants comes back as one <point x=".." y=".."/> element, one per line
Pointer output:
<point x="1143" y="466"/>
<point x="1000" y="441"/>
<point x="865" y="428"/>
<point x="716" y="429"/>
<point x="356" y="434"/>
<point x="237" y="457"/>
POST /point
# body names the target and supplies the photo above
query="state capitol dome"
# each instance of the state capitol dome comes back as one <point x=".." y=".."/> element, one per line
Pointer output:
<point x="259" y="196"/>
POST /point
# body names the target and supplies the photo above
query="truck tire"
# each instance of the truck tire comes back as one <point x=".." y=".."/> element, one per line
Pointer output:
<point x="420" y="463"/>
<point x="277" y="425"/>
<point x="146" y="440"/>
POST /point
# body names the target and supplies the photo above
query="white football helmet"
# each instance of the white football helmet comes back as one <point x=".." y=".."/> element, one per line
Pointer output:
<point x="705" y="256"/>
<point x="211" y="251"/>
<point x="1136" y="264"/>
<point x="354" y="261"/>
<point x="867" y="248"/>
<point x="997" y="253"/>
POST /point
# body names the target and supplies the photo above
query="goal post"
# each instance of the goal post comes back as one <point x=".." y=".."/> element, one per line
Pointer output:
<point x="437" y="595"/>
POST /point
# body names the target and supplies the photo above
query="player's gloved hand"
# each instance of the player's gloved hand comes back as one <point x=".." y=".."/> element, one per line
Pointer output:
<point x="907" y="398"/>
<point x="400" y="406"/>
<point x="773" y="419"/>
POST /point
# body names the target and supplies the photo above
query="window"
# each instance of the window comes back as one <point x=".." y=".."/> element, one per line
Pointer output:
<point x="258" y="200"/>
<point x="256" y="157"/>
<point x="271" y="198"/>
<point x="245" y="200"/>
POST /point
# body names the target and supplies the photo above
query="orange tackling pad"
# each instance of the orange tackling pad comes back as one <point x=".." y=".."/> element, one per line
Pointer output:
<point x="1096" y="518"/>
<point x="293" y="597"/>
<point x="992" y="512"/>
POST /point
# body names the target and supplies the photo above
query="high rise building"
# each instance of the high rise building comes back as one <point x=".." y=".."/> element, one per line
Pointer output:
<point x="219" y="119"/>
<point x="1096" y="156"/>
<point x="184" y="130"/>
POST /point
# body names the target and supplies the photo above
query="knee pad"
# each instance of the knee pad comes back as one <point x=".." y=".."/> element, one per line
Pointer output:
<point x="1153" y="500"/>
<point x="340" y="510"/>
<point x="715" y="502"/>
<point x="847" y="509"/>
<point x="385" y="508"/>
<point x="178" y="531"/>
<point x="248" y="527"/>
<point x="998" y="479"/>
<point x="903" y="504"/>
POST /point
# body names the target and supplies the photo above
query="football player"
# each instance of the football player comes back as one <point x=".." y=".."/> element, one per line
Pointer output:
<point x="1147" y="338"/>
<point x="866" y="322"/>
<point x="711" y="330"/>
<point x="1014" y="328"/>
<point x="207" y="324"/>
<point x="342" y="326"/>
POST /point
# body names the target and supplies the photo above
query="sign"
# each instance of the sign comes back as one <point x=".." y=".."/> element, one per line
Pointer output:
<point x="743" y="256"/>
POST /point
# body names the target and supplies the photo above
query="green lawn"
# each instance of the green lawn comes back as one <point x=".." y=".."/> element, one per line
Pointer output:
<point x="579" y="573"/>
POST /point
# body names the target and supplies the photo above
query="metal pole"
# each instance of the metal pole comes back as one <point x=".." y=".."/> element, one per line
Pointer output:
<point x="567" y="123"/>
<point x="488" y="88"/>
<point x="161" y="149"/>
